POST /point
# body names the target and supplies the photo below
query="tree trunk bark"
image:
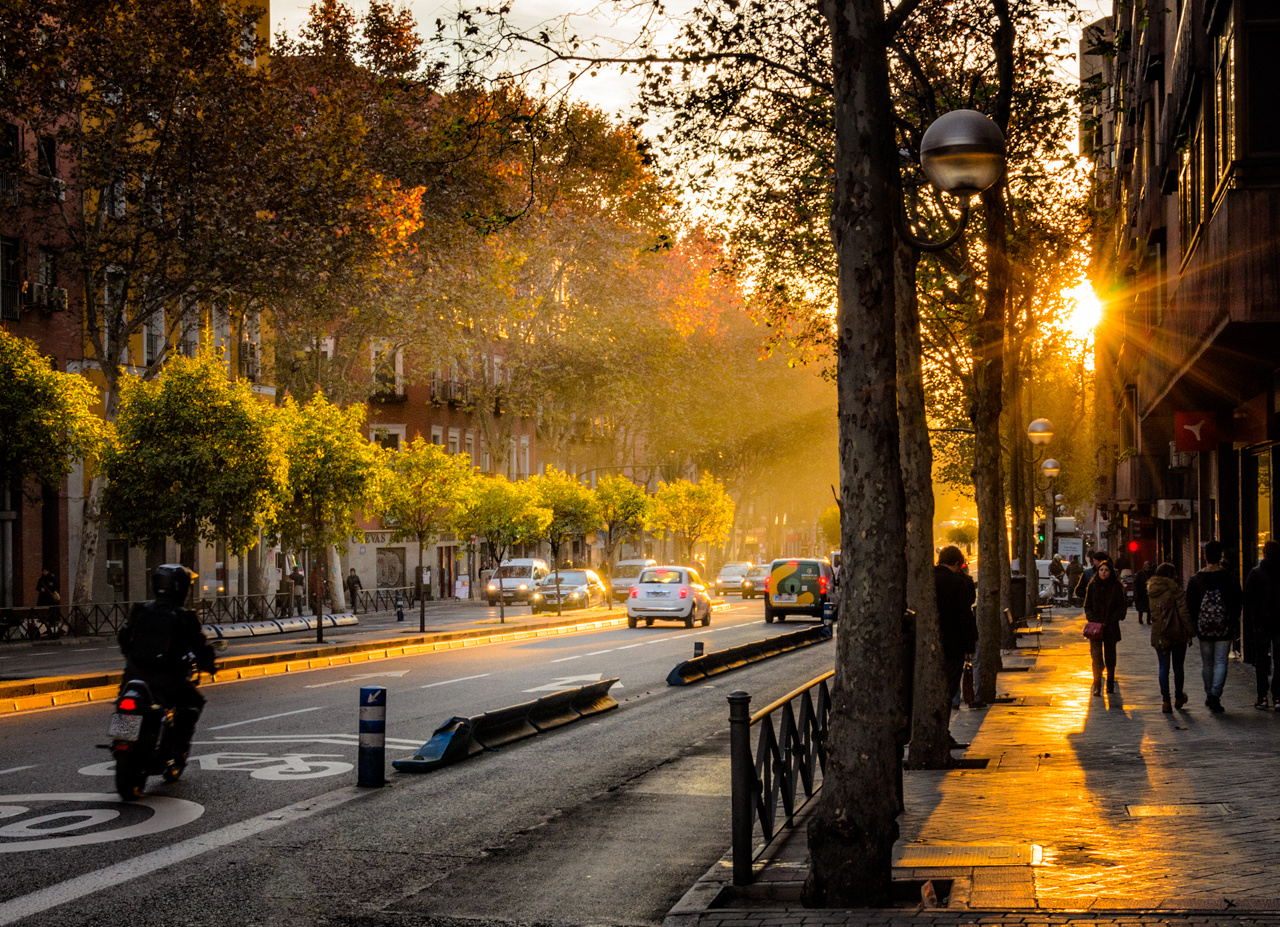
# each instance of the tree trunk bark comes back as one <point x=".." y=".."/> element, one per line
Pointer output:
<point x="854" y="826"/>
<point x="931" y="704"/>
<point x="90" y="531"/>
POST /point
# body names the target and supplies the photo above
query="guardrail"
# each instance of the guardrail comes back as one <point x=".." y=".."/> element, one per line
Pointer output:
<point x="731" y="658"/>
<point x="787" y="759"/>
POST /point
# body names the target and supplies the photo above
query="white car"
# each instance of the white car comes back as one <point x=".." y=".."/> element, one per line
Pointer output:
<point x="669" y="593"/>
<point x="731" y="576"/>
<point x="625" y="574"/>
<point x="515" y="580"/>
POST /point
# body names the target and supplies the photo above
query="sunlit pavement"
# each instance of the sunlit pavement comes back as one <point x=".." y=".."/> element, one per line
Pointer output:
<point x="1089" y="810"/>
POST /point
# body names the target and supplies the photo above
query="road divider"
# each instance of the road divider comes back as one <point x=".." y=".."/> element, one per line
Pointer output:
<point x="722" y="661"/>
<point x="460" y="738"/>
<point x="56" y="691"/>
<point x="275" y="626"/>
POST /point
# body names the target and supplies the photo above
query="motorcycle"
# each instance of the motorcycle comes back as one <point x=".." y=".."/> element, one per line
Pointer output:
<point x="137" y="731"/>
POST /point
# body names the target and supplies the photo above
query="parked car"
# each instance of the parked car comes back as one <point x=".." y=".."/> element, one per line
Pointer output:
<point x="515" y="579"/>
<point x="625" y="574"/>
<point x="755" y="582"/>
<point x="669" y="593"/>
<point x="798" y="587"/>
<point x="730" y="578"/>
<point x="568" y="589"/>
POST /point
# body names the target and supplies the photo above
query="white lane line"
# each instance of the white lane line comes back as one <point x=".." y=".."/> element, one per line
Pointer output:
<point x="597" y="653"/>
<point x="641" y="644"/>
<point x="566" y="659"/>
<point x="86" y="650"/>
<point x="432" y="685"/>
<point x="283" y="714"/>
<point x="15" y="769"/>
<point x="81" y="886"/>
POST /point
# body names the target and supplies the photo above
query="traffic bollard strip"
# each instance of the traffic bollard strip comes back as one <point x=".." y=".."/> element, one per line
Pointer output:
<point x="373" y="737"/>
<point x="722" y="661"/>
<point x="460" y="738"/>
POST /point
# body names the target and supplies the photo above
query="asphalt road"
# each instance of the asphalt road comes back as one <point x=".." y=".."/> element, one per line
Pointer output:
<point x="606" y="821"/>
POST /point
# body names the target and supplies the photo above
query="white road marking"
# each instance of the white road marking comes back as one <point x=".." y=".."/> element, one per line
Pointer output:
<point x="432" y="685"/>
<point x="81" y="886"/>
<point x="568" y="682"/>
<point x="15" y="769"/>
<point x="283" y="714"/>
<point x="597" y="653"/>
<point x="341" y="740"/>
<point x="566" y="659"/>
<point x="337" y="682"/>
<point x="641" y="644"/>
<point x="86" y="650"/>
<point x="166" y="813"/>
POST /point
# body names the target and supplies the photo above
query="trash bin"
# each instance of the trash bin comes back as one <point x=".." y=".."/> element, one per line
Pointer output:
<point x="1018" y="596"/>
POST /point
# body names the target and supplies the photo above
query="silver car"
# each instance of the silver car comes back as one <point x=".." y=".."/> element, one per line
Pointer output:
<point x="731" y="576"/>
<point x="669" y="593"/>
<point x="568" y="589"/>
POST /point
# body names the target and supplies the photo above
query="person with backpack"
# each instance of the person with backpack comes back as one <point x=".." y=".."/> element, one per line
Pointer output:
<point x="1214" y="598"/>
<point x="1171" y="631"/>
<point x="159" y="640"/>
<point x="1104" y="602"/>
<point x="1262" y="617"/>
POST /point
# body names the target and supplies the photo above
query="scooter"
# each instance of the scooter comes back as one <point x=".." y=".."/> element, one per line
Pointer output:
<point x="138" y="730"/>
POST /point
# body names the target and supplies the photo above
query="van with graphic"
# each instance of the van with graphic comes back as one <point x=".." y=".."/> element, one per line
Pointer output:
<point x="798" y="587"/>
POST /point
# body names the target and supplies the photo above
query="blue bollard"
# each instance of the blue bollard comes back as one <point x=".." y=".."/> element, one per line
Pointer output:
<point x="399" y="607"/>
<point x="373" y="736"/>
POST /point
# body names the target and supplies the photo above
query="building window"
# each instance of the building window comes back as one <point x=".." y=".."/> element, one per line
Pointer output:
<point x="524" y="457"/>
<point x="1190" y="184"/>
<point x="189" y="329"/>
<point x="437" y="435"/>
<point x="10" y="281"/>
<point x="392" y="437"/>
<point x="1225" y="95"/>
<point x="454" y="441"/>
<point x="153" y="335"/>
<point x="113" y="199"/>
<point x="469" y="445"/>
<point x="47" y="156"/>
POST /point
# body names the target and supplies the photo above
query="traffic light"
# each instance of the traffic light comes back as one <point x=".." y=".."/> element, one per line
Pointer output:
<point x="1133" y="547"/>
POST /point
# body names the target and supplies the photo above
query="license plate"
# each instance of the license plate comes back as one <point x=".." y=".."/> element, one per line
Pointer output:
<point x="784" y="597"/>
<point x="656" y="595"/>
<point x="125" y="727"/>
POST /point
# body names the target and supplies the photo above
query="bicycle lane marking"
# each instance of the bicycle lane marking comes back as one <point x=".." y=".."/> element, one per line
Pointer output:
<point x="81" y="886"/>
<point x="56" y="830"/>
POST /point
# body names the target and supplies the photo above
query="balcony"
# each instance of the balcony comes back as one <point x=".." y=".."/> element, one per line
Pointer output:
<point x="1136" y="478"/>
<point x="10" y="301"/>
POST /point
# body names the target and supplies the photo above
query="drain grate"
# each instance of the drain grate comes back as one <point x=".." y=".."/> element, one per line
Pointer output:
<point x="1190" y="809"/>
<point x="930" y="857"/>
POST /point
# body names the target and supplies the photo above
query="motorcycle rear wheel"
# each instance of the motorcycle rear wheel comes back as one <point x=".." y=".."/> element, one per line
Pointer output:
<point x="131" y="776"/>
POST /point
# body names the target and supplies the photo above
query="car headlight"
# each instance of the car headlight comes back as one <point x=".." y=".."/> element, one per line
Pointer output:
<point x="524" y="587"/>
<point x="575" y="595"/>
<point x="537" y="595"/>
<point x="493" y="588"/>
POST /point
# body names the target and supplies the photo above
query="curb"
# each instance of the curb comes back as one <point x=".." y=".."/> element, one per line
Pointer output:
<point x="59" y="691"/>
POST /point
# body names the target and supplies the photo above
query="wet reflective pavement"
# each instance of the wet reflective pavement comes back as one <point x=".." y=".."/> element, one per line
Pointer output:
<point x="1089" y="809"/>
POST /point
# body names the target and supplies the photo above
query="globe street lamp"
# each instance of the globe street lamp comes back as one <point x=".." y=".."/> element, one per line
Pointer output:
<point x="1040" y="432"/>
<point x="1050" y="468"/>
<point x="962" y="153"/>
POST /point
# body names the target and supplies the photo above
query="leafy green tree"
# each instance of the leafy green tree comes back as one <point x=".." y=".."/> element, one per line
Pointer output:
<point x="333" y="473"/>
<point x="46" y="418"/>
<point x="829" y="525"/>
<point x="423" y="490"/>
<point x="504" y="514"/>
<point x="195" y="458"/>
<point x="693" y="512"/>
<point x="574" y="512"/>
<point x="624" y="508"/>
<point x="962" y="536"/>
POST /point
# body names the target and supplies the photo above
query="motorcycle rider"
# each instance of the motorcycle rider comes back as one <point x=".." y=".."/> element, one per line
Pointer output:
<point x="158" y="640"/>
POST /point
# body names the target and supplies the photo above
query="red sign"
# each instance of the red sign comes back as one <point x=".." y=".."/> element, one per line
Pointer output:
<point x="1194" y="431"/>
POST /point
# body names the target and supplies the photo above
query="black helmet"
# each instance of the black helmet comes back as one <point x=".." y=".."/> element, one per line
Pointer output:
<point x="172" y="582"/>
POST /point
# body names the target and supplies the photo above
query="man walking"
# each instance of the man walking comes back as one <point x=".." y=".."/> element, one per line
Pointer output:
<point x="956" y="595"/>
<point x="354" y="586"/>
<point x="1262" y="617"/>
<point x="1075" y="570"/>
<point x="1214" y="599"/>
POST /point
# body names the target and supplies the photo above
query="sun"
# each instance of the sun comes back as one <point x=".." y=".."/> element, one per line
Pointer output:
<point x="1085" y="311"/>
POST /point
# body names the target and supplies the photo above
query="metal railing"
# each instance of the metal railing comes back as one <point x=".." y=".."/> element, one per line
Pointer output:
<point x="94" y="618"/>
<point x="790" y="757"/>
<point x="384" y="600"/>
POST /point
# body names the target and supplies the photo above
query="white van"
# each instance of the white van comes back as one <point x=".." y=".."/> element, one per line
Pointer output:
<point x="625" y="574"/>
<point x="514" y="580"/>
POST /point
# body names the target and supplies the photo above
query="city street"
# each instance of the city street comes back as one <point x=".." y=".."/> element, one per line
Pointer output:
<point x="267" y="814"/>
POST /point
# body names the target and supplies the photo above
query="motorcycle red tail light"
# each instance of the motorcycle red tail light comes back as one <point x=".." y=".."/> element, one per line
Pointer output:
<point x="635" y="593"/>
<point x="684" y="592"/>
<point x="128" y="704"/>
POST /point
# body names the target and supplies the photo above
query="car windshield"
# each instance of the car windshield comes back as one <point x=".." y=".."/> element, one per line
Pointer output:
<point x="567" y="578"/>
<point x="661" y="576"/>
<point x="514" y="571"/>
<point x="759" y="571"/>
<point x="626" y="571"/>
<point x="734" y="569"/>
<point x="805" y="569"/>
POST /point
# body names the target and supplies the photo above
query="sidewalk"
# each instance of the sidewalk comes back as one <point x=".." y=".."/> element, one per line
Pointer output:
<point x="1089" y="810"/>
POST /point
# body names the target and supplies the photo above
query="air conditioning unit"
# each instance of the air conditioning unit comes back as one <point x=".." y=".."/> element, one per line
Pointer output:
<point x="33" y="294"/>
<point x="57" y="190"/>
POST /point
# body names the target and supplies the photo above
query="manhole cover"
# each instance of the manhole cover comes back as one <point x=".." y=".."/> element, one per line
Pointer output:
<point x="927" y="857"/>
<point x="1170" y="811"/>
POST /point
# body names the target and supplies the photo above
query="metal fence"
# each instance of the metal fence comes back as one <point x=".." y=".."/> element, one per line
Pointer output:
<point x="790" y="758"/>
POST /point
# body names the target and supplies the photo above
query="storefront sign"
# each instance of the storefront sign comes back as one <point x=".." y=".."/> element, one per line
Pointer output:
<point x="1194" y="431"/>
<point x="1173" y="509"/>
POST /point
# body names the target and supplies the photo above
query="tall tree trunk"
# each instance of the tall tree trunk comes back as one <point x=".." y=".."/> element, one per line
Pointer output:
<point x="90" y="531"/>
<point x="854" y="826"/>
<point x="931" y="704"/>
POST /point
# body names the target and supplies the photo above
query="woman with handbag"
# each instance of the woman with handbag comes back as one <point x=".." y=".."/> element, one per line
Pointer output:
<point x="1104" y="609"/>
<point x="1171" y="630"/>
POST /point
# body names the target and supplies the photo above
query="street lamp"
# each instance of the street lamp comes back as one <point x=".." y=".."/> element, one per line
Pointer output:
<point x="1040" y="432"/>
<point x="962" y="153"/>
<point x="1050" y="468"/>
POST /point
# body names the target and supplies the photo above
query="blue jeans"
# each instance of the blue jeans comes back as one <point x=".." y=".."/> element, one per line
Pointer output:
<point x="1213" y="665"/>
<point x="1176" y="656"/>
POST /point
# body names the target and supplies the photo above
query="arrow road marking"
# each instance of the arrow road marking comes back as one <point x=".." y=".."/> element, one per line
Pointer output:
<point x="571" y="682"/>
<point x="15" y="769"/>
<point x="338" y="682"/>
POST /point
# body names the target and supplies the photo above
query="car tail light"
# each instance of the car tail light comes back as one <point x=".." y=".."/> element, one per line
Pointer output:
<point x="635" y="593"/>
<point x="128" y="704"/>
<point x="822" y="585"/>
<point x="768" y="583"/>
<point x="793" y="563"/>
<point x="684" y="592"/>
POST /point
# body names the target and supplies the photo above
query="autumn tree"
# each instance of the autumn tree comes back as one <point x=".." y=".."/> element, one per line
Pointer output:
<point x="504" y="514"/>
<point x="574" y="510"/>
<point x="692" y="512"/>
<point x="624" y="508"/>
<point x="423" y="490"/>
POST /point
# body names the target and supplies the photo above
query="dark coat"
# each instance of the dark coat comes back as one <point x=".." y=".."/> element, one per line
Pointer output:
<point x="1232" y="597"/>
<point x="46" y="587"/>
<point x="1141" y="600"/>
<point x="1105" y="602"/>
<point x="1168" y="603"/>
<point x="956" y="595"/>
<point x="1262" y="598"/>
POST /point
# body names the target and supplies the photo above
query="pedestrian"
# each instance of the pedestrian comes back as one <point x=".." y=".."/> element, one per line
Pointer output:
<point x="1171" y="630"/>
<point x="47" y="595"/>
<point x="354" y="586"/>
<point x="1141" y="603"/>
<point x="1214" y="598"/>
<point x="299" y="588"/>
<point x="959" y="631"/>
<point x="1104" y="602"/>
<point x="1075" y="570"/>
<point x="1262" y="617"/>
<point x="1057" y="575"/>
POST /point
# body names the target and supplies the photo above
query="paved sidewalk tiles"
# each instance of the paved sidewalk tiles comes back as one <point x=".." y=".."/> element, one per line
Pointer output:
<point x="1090" y="810"/>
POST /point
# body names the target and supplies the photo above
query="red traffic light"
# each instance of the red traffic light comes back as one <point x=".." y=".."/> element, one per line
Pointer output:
<point x="1133" y="547"/>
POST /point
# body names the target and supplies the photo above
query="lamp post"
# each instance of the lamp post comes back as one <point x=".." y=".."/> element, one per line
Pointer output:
<point x="1050" y="468"/>
<point x="1039" y="433"/>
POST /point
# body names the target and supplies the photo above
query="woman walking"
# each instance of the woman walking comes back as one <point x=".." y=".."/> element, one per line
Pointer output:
<point x="1171" y="631"/>
<point x="1104" y="602"/>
